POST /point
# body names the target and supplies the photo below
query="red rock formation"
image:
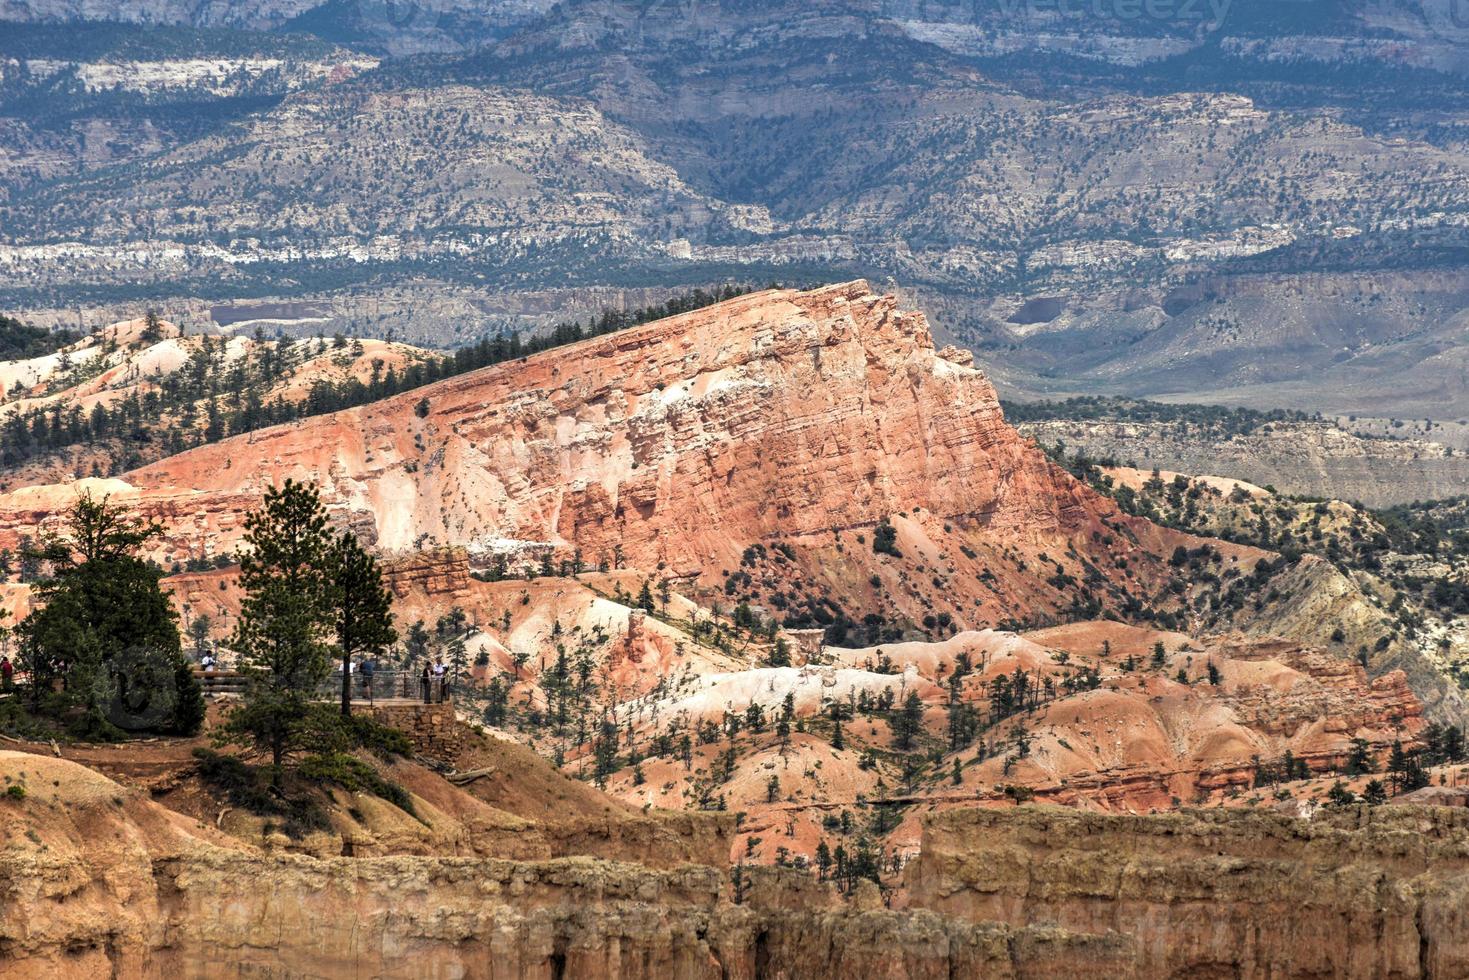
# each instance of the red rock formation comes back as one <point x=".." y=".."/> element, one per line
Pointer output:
<point x="775" y="415"/>
<point x="1216" y="894"/>
<point x="99" y="880"/>
<point x="439" y="574"/>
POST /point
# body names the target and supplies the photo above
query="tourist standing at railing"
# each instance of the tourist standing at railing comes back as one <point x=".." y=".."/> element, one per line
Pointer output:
<point x="7" y="674"/>
<point x="424" y="682"/>
<point x="369" y="668"/>
<point x="440" y="677"/>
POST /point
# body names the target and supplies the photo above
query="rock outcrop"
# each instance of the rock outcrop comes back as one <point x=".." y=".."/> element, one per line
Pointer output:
<point x="99" y="881"/>
<point x="1312" y="459"/>
<point x="1315" y="599"/>
<point x="1137" y="739"/>
<point x="789" y="415"/>
<point x="1217" y="893"/>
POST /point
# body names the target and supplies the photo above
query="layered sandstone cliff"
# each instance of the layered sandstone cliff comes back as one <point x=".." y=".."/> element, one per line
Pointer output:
<point x="803" y="416"/>
<point x="776" y="412"/>
<point x="1361" y="893"/>
<point x="98" y="881"/>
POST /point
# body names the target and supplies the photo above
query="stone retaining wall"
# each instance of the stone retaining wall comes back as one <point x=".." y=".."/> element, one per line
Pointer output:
<point x="432" y="729"/>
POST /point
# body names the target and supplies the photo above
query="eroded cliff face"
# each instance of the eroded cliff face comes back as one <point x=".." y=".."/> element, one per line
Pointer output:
<point x="778" y="412"/>
<point x="798" y="416"/>
<point x="1363" y="892"/>
<point x="1315" y="598"/>
<point x="1142" y="744"/>
<point x="98" y="880"/>
<point x="1312" y="459"/>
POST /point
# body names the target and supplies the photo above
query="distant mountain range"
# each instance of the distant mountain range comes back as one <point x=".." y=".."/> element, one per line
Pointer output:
<point x="1261" y="204"/>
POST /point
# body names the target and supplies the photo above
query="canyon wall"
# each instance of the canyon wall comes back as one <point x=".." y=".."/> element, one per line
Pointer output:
<point x="97" y="880"/>
<point x="1362" y="892"/>
<point x="674" y="445"/>
<point x="1313" y="459"/>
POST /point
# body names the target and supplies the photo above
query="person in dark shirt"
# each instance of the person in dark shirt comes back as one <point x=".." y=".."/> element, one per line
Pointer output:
<point x="369" y="667"/>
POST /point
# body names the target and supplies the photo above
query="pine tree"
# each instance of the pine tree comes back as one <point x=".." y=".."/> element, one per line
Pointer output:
<point x="1452" y="745"/>
<point x="286" y="622"/>
<point x="605" y="752"/>
<point x="908" y="722"/>
<point x="1398" y="766"/>
<point x="152" y="328"/>
<point x="199" y="632"/>
<point x="823" y="860"/>
<point x="739" y="880"/>
<point x="961" y="716"/>
<point x="1414" y="775"/>
<point x="364" y="614"/>
<point x="104" y="626"/>
<point x="1360" y="759"/>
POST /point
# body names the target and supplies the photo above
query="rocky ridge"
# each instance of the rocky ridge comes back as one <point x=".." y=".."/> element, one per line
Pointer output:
<point x="1209" y="881"/>
<point x="809" y="416"/>
<point x="100" y="880"/>
<point x="1086" y="228"/>
<point x="1313" y="459"/>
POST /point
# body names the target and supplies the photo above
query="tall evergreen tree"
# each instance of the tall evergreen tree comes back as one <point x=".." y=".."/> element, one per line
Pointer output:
<point x="286" y="621"/>
<point x="604" y="752"/>
<point x="105" y="630"/>
<point x="1360" y="759"/>
<point x="199" y="629"/>
<point x="908" y="722"/>
<point x="1397" y="766"/>
<point x="364" y="614"/>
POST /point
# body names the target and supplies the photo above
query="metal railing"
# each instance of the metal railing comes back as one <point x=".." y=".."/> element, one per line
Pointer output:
<point x="384" y="685"/>
<point x="390" y="685"/>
